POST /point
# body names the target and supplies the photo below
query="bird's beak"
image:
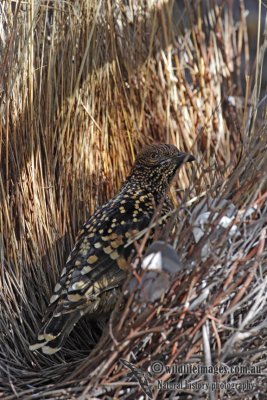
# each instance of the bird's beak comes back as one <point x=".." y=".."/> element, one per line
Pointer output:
<point x="188" y="157"/>
<point x="182" y="158"/>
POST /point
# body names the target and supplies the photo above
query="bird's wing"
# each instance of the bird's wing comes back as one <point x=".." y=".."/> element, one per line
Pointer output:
<point x="99" y="260"/>
<point x="94" y="271"/>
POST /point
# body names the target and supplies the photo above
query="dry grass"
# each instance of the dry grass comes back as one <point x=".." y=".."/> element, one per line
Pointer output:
<point x="84" y="85"/>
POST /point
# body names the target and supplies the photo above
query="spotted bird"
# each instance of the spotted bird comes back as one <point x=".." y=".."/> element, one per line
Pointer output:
<point x="91" y="280"/>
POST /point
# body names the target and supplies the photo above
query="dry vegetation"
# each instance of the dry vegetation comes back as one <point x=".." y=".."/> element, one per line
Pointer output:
<point x="84" y="86"/>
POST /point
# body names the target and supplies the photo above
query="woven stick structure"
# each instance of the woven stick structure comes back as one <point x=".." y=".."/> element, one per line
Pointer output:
<point x="83" y="86"/>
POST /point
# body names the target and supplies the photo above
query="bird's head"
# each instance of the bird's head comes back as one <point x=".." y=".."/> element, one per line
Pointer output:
<point x="156" y="166"/>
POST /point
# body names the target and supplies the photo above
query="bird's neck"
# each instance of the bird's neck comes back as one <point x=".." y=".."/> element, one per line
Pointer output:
<point x="145" y="187"/>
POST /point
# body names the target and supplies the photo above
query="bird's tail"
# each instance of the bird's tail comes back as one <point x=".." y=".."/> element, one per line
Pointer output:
<point x="55" y="331"/>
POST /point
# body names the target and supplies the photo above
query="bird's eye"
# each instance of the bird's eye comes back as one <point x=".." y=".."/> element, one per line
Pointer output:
<point x="153" y="156"/>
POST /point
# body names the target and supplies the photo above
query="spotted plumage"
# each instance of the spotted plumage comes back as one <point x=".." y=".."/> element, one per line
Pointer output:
<point x="97" y="266"/>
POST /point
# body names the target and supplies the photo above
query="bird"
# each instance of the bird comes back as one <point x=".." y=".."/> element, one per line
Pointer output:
<point x="91" y="280"/>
